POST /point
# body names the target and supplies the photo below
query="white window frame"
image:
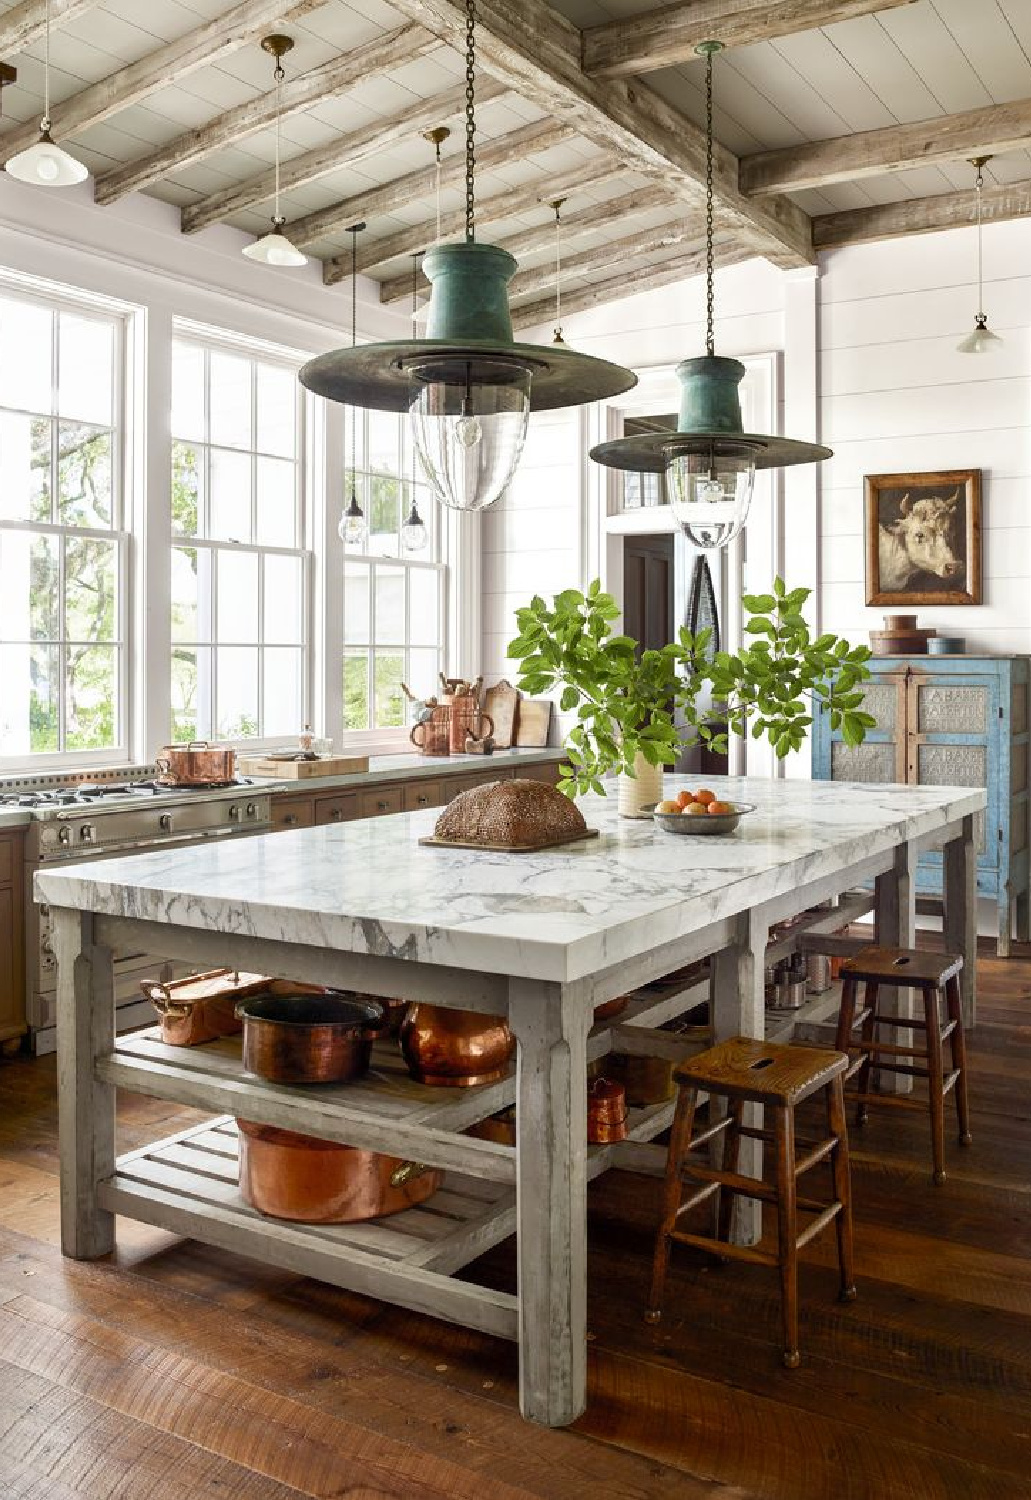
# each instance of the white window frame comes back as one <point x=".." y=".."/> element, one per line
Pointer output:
<point x="211" y="339"/>
<point x="124" y="412"/>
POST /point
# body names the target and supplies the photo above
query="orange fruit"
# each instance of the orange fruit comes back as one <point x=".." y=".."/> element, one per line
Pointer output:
<point x="719" y="807"/>
<point x="694" y="809"/>
<point x="705" y="796"/>
<point x="684" y="798"/>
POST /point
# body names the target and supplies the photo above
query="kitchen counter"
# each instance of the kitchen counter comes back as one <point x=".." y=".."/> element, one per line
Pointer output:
<point x="15" y="817"/>
<point x="544" y="938"/>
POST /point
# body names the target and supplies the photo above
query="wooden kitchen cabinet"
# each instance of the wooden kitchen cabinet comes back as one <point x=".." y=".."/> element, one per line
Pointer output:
<point x="290" y="811"/>
<point x="423" y="793"/>
<point x="339" y="807"/>
<point x="378" y="801"/>
<point x="12" y="939"/>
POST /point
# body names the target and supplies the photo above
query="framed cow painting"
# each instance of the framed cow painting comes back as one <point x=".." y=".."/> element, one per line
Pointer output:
<point x="923" y="538"/>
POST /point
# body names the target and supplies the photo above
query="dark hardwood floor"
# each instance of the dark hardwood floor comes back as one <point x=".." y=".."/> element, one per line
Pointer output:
<point x="173" y="1371"/>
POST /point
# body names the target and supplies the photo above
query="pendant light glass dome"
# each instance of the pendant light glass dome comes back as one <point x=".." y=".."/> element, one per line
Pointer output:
<point x="274" y="248"/>
<point x="982" y="340"/>
<point x="467" y="386"/>
<point x="352" y="527"/>
<point x="415" y="535"/>
<point x="710" y="461"/>
<point x="46" y="164"/>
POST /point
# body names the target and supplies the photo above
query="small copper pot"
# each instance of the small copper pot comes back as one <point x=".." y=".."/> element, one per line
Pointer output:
<point x="291" y="1176"/>
<point x="606" y="1111"/>
<point x="455" y="1048"/>
<point x="306" y="1038"/>
<point x="196" y="764"/>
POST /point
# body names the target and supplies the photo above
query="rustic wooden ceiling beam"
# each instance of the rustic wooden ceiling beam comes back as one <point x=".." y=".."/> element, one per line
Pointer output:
<point x="388" y="197"/>
<point x="541" y="236"/>
<point x="627" y="284"/>
<point x="888" y="221"/>
<point x="987" y="131"/>
<point x="342" y="151"/>
<point x="538" y="53"/>
<point x="509" y="202"/>
<point x="664" y="37"/>
<point x="24" y="25"/>
<point x="245" y="23"/>
<point x="391" y="50"/>
<point x="614" y="256"/>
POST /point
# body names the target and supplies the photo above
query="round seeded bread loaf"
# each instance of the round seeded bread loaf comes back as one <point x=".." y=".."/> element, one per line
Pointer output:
<point x="516" y="814"/>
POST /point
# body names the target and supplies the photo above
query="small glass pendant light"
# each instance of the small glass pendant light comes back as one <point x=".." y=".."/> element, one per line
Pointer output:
<point x="352" y="528"/>
<point x="46" y="164"/>
<point x="982" y="340"/>
<point x="467" y="386"/>
<point x="274" y="249"/>
<point x="414" y="535"/>
<point x="710" y="461"/>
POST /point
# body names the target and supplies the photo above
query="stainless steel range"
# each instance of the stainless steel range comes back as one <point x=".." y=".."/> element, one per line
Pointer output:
<point x="98" y="816"/>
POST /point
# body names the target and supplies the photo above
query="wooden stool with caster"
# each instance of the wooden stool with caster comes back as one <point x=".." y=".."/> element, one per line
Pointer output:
<point x="936" y="976"/>
<point x="744" y="1071"/>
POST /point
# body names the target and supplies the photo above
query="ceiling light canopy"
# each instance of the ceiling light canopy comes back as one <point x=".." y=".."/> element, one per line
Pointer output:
<point x="274" y="248"/>
<point x="710" y="461"/>
<point x="982" y="340"/>
<point x="467" y="385"/>
<point x="46" y="164"/>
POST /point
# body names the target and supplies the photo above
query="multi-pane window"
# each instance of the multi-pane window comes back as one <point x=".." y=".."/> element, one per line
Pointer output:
<point x="62" y="542"/>
<point x="239" y="569"/>
<point x="393" y="598"/>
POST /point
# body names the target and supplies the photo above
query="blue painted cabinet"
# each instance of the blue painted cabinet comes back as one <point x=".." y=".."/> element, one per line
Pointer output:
<point x="951" y="721"/>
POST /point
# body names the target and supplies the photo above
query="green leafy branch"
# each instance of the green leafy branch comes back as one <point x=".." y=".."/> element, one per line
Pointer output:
<point x="655" y="703"/>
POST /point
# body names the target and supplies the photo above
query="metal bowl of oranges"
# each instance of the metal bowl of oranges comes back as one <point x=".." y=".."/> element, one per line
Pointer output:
<point x="700" y="812"/>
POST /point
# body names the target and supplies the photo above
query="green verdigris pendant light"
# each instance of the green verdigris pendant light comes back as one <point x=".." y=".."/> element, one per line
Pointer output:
<point x="710" y="461"/>
<point x="468" y="386"/>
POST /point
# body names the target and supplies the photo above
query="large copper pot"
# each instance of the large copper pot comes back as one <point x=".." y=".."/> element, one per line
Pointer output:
<point x="196" y="764"/>
<point x="455" y="1048"/>
<point x="306" y="1038"/>
<point x="291" y="1176"/>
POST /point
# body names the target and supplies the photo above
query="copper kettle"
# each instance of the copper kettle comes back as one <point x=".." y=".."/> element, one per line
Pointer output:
<point x="455" y="1048"/>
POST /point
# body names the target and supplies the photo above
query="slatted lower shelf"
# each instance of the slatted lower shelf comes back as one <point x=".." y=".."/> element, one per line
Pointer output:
<point x="188" y="1184"/>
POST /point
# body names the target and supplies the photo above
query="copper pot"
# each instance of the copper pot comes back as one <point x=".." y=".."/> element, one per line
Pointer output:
<point x="455" y="1048"/>
<point x="291" y="1176"/>
<point x="306" y="1038"/>
<point x="196" y="764"/>
<point x="393" y="1015"/>
<point x="606" y="1111"/>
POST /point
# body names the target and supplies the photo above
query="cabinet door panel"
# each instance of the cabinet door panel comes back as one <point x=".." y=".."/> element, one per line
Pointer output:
<point x="955" y="765"/>
<point x="12" y="975"/>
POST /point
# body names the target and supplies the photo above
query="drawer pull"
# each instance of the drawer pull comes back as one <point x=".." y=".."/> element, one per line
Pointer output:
<point x="290" y="819"/>
<point x="335" y="815"/>
<point x="382" y="806"/>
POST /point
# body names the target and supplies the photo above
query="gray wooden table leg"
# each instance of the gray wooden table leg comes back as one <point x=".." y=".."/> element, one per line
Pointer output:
<point x="960" y="860"/>
<point x="739" y="1010"/>
<point x="550" y="1023"/>
<point x="895" y="927"/>
<point x="85" y="1031"/>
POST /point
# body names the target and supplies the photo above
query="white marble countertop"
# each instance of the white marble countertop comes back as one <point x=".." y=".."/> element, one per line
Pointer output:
<point x="369" y="887"/>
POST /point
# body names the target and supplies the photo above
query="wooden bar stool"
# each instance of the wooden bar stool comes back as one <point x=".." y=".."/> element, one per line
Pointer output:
<point x="746" y="1071"/>
<point x="936" y="976"/>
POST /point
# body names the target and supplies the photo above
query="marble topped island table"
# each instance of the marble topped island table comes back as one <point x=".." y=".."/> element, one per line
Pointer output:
<point x="542" y="937"/>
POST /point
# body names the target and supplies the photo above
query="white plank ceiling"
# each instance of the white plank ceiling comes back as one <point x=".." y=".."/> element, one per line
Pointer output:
<point x="914" y="62"/>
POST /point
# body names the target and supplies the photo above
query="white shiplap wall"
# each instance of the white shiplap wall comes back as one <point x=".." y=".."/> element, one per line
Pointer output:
<point x="898" y="397"/>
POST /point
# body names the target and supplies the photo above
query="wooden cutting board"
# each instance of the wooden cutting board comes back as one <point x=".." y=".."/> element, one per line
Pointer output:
<point x="501" y="702"/>
<point x="533" y="722"/>
<point x="304" y="770"/>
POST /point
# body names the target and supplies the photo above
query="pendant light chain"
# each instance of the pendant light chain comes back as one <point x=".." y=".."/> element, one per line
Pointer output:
<point x="438" y="172"/>
<point x="45" y="124"/>
<point x="979" y="184"/>
<point x="710" y="338"/>
<point x="470" y="121"/>
<point x="556" y="204"/>
<point x="354" y="231"/>
<point x="279" y="75"/>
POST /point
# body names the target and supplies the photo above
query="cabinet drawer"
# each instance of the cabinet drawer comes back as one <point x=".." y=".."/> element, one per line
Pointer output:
<point x="548" y="773"/>
<point x="419" y="794"/>
<point x="6" y="861"/>
<point x="293" y="812"/>
<point x="380" y="801"/>
<point x="336" y="809"/>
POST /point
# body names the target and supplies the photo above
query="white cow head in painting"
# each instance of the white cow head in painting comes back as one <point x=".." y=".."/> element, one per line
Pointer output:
<point x="920" y="541"/>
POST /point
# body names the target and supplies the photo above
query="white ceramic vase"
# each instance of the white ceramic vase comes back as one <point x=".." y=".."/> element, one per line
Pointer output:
<point x="640" y="790"/>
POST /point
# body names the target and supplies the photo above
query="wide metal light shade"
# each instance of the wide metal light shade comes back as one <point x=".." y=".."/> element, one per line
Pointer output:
<point x="46" y="164"/>
<point x="709" y="452"/>
<point x="468" y="325"/>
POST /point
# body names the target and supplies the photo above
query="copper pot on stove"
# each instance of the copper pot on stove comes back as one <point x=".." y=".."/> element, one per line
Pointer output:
<point x="290" y="1176"/>
<point x="196" y="764"/>
<point x="455" y="1048"/>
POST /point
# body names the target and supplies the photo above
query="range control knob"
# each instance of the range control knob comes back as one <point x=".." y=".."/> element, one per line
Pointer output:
<point x="234" y="813"/>
<point x="165" y="822"/>
<point x="64" y="835"/>
<point x="86" y="833"/>
<point x="252" y="809"/>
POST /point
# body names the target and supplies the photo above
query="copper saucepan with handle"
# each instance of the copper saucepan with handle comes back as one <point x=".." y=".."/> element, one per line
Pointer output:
<point x="196" y="764"/>
<point x="306" y="1038"/>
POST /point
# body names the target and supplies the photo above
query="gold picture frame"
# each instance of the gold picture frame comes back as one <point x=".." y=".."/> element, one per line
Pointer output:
<point x="923" y="538"/>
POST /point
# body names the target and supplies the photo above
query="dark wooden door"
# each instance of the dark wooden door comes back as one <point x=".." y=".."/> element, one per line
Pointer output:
<point x="648" y="590"/>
